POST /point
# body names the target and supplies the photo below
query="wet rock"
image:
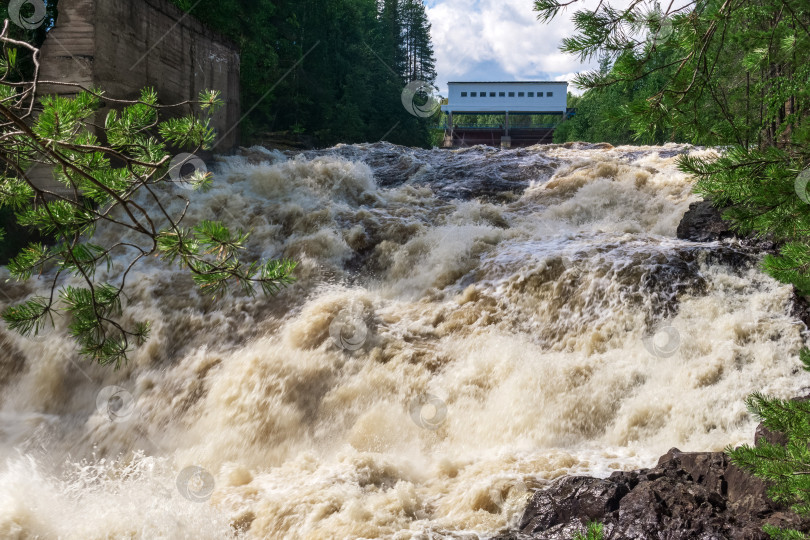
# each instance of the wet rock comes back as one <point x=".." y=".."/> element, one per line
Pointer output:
<point x="687" y="495"/>
<point x="800" y="307"/>
<point x="704" y="223"/>
<point x="773" y="437"/>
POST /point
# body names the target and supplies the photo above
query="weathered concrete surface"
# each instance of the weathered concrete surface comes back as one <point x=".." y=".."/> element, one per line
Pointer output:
<point x="122" y="46"/>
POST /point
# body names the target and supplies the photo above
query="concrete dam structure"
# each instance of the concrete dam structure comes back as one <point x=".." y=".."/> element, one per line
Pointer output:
<point x="516" y="113"/>
<point x="123" y="46"/>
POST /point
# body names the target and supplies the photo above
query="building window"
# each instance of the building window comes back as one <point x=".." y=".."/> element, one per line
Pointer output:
<point x="531" y="94"/>
<point x="511" y="94"/>
<point x="473" y="94"/>
<point x="521" y="94"/>
<point x="464" y="94"/>
<point x="501" y="94"/>
<point x="492" y="94"/>
<point x="550" y="94"/>
<point x="539" y="94"/>
<point x="483" y="94"/>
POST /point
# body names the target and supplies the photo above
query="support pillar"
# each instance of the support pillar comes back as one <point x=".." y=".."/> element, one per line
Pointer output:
<point x="506" y="140"/>
<point x="448" y="134"/>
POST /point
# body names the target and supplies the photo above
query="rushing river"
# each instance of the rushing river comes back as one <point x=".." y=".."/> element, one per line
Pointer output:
<point x="466" y="325"/>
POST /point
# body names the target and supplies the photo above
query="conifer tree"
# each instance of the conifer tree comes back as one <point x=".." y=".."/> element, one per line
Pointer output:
<point x="333" y="69"/>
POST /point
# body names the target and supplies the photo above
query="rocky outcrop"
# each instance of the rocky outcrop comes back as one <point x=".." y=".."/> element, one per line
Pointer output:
<point x="704" y="223"/>
<point x="687" y="495"/>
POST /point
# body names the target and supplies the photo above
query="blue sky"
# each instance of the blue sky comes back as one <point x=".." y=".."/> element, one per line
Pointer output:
<point x="491" y="40"/>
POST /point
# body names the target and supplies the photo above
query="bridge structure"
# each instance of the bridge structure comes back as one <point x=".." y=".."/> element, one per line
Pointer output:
<point x="506" y="114"/>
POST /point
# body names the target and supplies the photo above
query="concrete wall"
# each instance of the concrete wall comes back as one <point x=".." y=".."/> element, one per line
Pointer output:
<point x="122" y="46"/>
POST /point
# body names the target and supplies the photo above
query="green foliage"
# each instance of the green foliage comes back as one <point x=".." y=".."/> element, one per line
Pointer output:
<point x="327" y="68"/>
<point x="600" y="116"/>
<point x="784" y="534"/>
<point x="758" y="188"/>
<point x="29" y="317"/>
<point x="120" y="178"/>
<point x="499" y="120"/>
<point x="709" y="72"/>
<point x="786" y="467"/>
<point x="595" y="531"/>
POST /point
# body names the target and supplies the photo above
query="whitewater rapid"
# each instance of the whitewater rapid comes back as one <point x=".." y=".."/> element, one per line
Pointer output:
<point x="465" y="326"/>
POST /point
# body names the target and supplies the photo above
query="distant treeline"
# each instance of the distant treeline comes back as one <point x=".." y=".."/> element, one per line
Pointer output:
<point x="329" y="70"/>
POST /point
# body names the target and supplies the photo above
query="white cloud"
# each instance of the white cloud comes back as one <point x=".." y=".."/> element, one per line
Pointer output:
<point x="570" y="77"/>
<point x="499" y="40"/>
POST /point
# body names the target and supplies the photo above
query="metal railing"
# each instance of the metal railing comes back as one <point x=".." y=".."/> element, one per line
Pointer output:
<point x="511" y="127"/>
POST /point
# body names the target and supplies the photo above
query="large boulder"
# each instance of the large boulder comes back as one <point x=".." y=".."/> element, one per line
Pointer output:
<point x="703" y="223"/>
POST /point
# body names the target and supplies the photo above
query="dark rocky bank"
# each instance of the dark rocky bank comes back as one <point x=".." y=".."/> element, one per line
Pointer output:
<point x="687" y="495"/>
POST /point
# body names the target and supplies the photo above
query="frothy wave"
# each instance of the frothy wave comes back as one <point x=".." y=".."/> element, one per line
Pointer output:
<point x="511" y="306"/>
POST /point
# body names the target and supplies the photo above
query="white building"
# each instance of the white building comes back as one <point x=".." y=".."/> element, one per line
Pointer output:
<point x="539" y="97"/>
<point x="517" y="98"/>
